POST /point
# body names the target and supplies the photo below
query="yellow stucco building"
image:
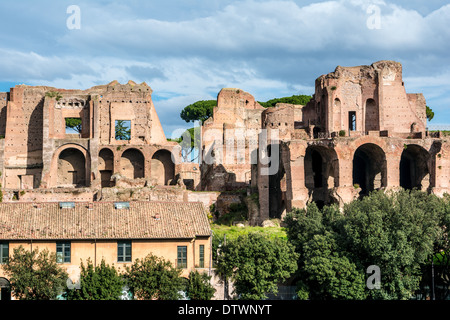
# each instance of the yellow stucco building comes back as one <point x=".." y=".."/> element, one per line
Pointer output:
<point x="118" y="232"/>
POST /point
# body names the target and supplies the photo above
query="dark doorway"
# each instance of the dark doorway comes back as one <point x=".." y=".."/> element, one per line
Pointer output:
<point x="317" y="169"/>
<point x="414" y="168"/>
<point x="369" y="168"/>
<point x="352" y="121"/>
<point x="105" y="166"/>
<point x="276" y="203"/>
<point x="321" y="173"/>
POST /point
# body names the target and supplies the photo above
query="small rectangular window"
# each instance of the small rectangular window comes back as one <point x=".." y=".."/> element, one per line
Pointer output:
<point x="352" y="121"/>
<point x="202" y="256"/>
<point x="63" y="252"/>
<point x="124" y="251"/>
<point x="123" y="129"/>
<point x="73" y="125"/>
<point x="182" y="257"/>
<point x="4" y="252"/>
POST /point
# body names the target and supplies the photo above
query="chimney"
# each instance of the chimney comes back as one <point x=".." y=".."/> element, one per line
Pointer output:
<point x="90" y="206"/>
<point x="157" y="216"/>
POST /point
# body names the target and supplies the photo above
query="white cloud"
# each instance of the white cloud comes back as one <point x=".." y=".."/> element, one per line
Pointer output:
<point x="268" y="48"/>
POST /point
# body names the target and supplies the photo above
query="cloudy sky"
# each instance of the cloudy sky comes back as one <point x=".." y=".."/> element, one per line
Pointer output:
<point x="187" y="50"/>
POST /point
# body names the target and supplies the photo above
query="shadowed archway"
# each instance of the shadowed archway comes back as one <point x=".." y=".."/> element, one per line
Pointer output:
<point x="369" y="168"/>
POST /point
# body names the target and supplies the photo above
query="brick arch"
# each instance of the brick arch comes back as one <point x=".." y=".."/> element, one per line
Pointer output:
<point x="132" y="163"/>
<point x="369" y="167"/>
<point x="70" y="154"/>
<point x="416" y="168"/>
<point x="373" y="140"/>
<point x="163" y="167"/>
<point x="321" y="166"/>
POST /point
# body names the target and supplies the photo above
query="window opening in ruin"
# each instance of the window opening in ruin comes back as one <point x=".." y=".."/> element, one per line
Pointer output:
<point x="352" y="121"/>
<point x="73" y="125"/>
<point x="414" y="168"/>
<point x="372" y="120"/>
<point x="123" y="129"/>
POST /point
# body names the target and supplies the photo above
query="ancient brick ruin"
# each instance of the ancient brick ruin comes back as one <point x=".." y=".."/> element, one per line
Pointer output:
<point x="360" y="132"/>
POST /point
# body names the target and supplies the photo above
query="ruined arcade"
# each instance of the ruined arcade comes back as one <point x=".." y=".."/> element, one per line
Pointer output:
<point x="360" y="132"/>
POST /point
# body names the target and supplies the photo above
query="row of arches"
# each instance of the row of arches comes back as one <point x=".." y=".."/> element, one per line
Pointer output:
<point x="366" y="170"/>
<point x="369" y="168"/>
<point x="73" y="166"/>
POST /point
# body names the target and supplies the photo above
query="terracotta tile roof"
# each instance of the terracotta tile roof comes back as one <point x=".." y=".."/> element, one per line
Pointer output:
<point x="103" y="221"/>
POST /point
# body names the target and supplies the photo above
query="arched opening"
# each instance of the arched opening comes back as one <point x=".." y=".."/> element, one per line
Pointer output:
<point x="372" y="116"/>
<point x="321" y="173"/>
<point x="105" y="166"/>
<point x="5" y="290"/>
<point x="132" y="164"/>
<point x="337" y="103"/>
<point x="277" y="203"/>
<point x="369" y="168"/>
<point x="72" y="168"/>
<point x="163" y="168"/>
<point x="414" y="168"/>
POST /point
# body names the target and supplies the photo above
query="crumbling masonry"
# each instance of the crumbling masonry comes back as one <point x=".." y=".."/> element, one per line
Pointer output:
<point x="360" y="132"/>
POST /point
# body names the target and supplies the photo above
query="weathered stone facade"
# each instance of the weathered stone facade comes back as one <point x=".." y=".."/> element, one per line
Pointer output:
<point x="38" y="153"/>
<point x="360" y="132"/>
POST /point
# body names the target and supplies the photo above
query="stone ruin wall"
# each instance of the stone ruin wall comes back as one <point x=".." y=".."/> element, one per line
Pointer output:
<point x="317" y="163"/>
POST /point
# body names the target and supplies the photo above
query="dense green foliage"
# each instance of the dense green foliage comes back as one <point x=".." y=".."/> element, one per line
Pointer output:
<point x="101" y="282"/>
<point x="74" y="124"/>
<point x="256" y="264"/>
<point x="153" y="278"/>
<point x="295" y="99"/>
<point x="200" y="110"/>
<point x="398" y="232"/>
<point x="203" y="109"/>
<point x="236" y="212"/>
<point x="199" y="286"/>
<point x="122" y="131"/>
<point x="430" y="113"/>
<point x="35" y="275"/>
